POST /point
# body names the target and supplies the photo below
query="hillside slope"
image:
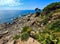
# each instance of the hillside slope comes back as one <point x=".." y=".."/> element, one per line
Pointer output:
<point x="38" y="29"/>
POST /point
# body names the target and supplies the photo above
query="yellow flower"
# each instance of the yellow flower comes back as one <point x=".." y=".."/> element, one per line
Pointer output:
<point x="29" y="29"/>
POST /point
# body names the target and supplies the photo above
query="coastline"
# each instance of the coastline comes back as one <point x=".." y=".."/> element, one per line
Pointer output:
<point x="9" y="30"/>
<point x="16" y="25"/>
<point x="8" y="15"/>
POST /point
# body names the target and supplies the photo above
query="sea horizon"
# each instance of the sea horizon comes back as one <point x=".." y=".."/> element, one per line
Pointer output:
<point x="7" y="15"/>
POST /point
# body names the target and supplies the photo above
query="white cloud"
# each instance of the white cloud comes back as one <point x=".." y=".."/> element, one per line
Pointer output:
<point x="10" y="3"/>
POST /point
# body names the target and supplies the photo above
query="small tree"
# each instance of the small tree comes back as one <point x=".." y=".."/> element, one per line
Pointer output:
<point x="38" y="11"/>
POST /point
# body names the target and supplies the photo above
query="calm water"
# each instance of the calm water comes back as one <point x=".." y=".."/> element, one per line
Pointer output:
<point x="7" y="15"/>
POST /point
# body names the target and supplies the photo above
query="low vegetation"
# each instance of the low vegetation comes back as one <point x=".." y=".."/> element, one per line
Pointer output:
<point x="51" y="25"/>
<point x="46" y="38"/>
<point x="24" y="35"/>
<point x="51" y="7"/>
<point x="55" y="25"/>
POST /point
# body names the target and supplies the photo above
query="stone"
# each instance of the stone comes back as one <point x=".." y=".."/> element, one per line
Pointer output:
<point x="5" y="32"/>
<point x="1" y="41"/>
<point x="10" y="42"/>
<point x="29" y="41"/>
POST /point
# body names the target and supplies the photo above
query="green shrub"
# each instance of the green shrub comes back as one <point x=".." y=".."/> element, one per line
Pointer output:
<point x="55" y="26"/>
<point x="25" y="33"/>
<point x="51" y="7"/>
<point x="39" y="37"/>
<point x="24" y="36"/>
<point x="59" y="42"/>
<point x="45" y="21"/>
<point x="47" y="38"/>
<point x="26" y="29"/>
<point x="16" y="37"/>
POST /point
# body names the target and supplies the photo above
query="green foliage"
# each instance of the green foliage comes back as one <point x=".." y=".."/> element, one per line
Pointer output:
<point x="49" y="16"/>
<point x="46" y="38"/>
<point x="25" y="33"/>
<point x="38" y="12"/>
<point x="26" y="29"/>
<point x="45" y="21"/>
<point x="51" y="7"/>
<point x="54" y="25"/>
<point x="16" y="37"/>
<point x="39" y="37"/>
<point x="24" y="36"/>
<point x="59" y="42"/>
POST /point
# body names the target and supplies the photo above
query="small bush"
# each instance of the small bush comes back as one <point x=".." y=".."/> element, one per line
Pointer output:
<point x="39" y="37"/>
<point x="16" y="37"/>
<point x="46" y="38"/>
<point x="25" y="33"/>
<point x="24" y="36"/>
<point x="55" y="26"/>
<point x="26" y="29"/>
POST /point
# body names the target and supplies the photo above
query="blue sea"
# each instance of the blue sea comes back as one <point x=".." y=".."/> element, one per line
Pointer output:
<point x="8" y="15"/>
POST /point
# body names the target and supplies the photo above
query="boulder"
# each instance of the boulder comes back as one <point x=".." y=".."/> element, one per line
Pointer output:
<point x="29" y="41"/>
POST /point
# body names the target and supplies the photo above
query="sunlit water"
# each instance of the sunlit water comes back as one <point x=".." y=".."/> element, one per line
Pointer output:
<point x="8" y="15"/>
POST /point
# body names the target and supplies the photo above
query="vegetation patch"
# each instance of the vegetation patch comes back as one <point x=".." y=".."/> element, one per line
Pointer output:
<point x="55" y="26"/>
<point x="25" y="33"/>
<point x="51" y="7"/>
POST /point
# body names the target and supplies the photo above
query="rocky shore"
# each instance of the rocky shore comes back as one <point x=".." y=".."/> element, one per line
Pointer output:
<point x="40" y="27"/>
<point x="8" y="30"/>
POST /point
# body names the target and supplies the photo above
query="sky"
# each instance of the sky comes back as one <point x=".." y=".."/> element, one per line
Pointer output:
<point x="24" y="4"/>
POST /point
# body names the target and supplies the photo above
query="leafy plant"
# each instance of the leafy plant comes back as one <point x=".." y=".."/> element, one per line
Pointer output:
<point x="46" y="38"/>
<point x="24" y="36"/>
<point x="39" y="37"/>
<point x="54" y="25"/>
<point x="25" y="33"/>
<point x="26" y="29"/>
<point x="16" y="37"/>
